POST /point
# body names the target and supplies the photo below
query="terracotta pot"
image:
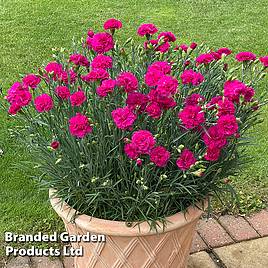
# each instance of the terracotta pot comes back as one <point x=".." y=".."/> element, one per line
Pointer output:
<point x="130" y="247"/>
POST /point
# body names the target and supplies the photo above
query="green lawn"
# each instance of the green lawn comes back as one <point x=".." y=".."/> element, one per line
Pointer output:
<point x="29" y="29"/>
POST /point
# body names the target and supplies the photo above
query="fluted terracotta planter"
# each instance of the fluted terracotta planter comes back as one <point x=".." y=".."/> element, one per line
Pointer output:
<point x="131" y="247"/>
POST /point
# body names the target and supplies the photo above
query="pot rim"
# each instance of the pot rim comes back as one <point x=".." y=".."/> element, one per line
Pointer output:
<point x="119" y="228"/>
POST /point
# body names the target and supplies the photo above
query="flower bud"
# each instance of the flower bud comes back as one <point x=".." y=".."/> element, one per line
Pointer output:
<point x="54" y="145"/>
<point x="138" y="162"/>
<point x="126" y="140"/>
<point x="226" y="180"/>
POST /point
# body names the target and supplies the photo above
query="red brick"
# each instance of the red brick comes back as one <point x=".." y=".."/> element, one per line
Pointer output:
<point x="238" y="228"/>
<point x="259" y="221"/>
<point x="213" y="233"/>
<point x="198" y="244"/>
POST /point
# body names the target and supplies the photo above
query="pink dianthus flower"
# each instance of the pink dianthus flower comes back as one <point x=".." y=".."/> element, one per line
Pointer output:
<point x="167" y="36"/>
<point x="159" y="156"/>
<point x="31" y="80"/>
<point x="43" y="103"/>
<point x="186" y="160"/>
<point x="63" y="92"/>
<point x="154" y="110"/>
<point x="192" y="116"/>
<point x="245" y="56"/>
<point x="127" y="81"/>
<point x="79" y="126"/>
<point x="123" y="117"/>
<point x="264" y="61"/>
<point x="112" y="24"/>
<point x="192" y="77"/>
<point x="102" y="42"/>
<point x="79" y="59"/>
<point x="78" y="98"/>
<point x="147" y="29"/>
<point x="204" y="58"/>
<point x="107" y="86"/>
<point x="95" y="75"/>
<point x="167" y="86"/>
<point x="102" y="62"/>
<point x="228" y="124"/>
<point x="215" y="137"/>
<point x="143" y="140"/>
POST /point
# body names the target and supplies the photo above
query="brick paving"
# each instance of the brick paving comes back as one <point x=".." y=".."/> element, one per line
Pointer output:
<point x="213" y="233"/>
<point x="238" y="228"/>
<point x="198" y="244"/>
<point x="214" y="245"/>
<point x="259" y="221"/>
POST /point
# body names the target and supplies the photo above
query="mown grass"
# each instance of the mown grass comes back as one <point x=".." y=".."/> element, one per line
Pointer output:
<point x="29" y="29"/>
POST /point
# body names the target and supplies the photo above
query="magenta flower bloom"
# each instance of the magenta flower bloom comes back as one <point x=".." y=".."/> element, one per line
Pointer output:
<point x="17" y="95"/>
<point x="245" y="56"/>
<point x="102" y="42"/>
<point x="102" y="62"/>
<point x="130" y="151"/>
<point x="143" y="140"/>
<point x="68" y="77"/>
<point x="205" y="58"/>
<point x="215" y="137"/>
<point x="212" y="103"/>
<point x="264" y="61"/>
<point x="54" y="68"/>
<point x="212" y="154"/>
<point x="167" y="86"/>
<point x="167" y="36"/>
<point x="43" y="103"/>
<point x="224" y="50"/>
<point x="154" y="110"/>
<point x="162" y="66"/>
<point x="192" y="116"/>
<point x="112" y="24"/>
<point x="186" y="160"/>
<point x="62" y="92"/>
<point x="165" y="103"/>
<point x="163" y="47"/>
<point x="248" y="94"/>
<point x="78" y="98"/>
<point x="79" y="126"/>
<point x="89" y="42"/>
<point x="127" y="81"/>
<point x="192" y="77"/>
<point x="233" y="89"/>
<point x="160" y="156"/>
<point x="147" y="29"/>
<point x="31" y="80"/>
<point x="79" y="59"/>
<point x="183" y="47"/>
<point x="228" y="124"/>
<point x="152" y="77"/>
<point x="107" y="86"/>
<point x="14" y="109"/>
<point x="123" y="117"/>
<point x="194" y="99"/>
<point x="137" y="100"/>
<point x="95" y="75"/>
<point x="216" y="55"/>
<point x="225" y="107"/>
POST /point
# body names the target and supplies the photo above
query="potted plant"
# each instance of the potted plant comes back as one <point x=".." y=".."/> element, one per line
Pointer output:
<point x="132" y="139"/>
